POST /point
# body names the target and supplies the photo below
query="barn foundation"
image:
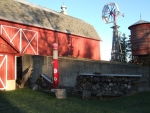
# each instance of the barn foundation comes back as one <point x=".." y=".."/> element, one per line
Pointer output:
<point x="11" y="85"/>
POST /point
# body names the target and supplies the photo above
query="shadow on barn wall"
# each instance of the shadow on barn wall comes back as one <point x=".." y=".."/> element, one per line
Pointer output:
<point x="70" y="47"/>
<point x="88" y="51"/>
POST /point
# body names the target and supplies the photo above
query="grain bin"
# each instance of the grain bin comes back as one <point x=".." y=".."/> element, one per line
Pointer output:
<point x="140" y="38"/>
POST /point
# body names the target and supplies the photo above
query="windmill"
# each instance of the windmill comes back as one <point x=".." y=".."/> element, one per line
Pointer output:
<point x="110" y="13"/>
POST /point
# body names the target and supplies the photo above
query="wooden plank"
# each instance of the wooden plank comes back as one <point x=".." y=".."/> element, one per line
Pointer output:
<point x="121" y="75"/>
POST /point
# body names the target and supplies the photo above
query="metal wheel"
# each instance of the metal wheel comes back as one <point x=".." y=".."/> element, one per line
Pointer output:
<point x="110" y="12"/>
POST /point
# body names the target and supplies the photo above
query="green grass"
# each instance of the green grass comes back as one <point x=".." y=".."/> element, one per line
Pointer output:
<point x="29" y="101"/>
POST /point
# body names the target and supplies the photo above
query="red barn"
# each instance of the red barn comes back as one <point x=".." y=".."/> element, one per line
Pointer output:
<point x="26" y="28"/>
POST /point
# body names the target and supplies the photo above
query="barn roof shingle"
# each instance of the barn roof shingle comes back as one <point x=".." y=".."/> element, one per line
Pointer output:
<point x="30" y="14"/>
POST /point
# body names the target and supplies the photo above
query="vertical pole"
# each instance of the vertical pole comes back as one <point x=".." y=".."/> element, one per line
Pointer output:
<point x="55" y="66"/>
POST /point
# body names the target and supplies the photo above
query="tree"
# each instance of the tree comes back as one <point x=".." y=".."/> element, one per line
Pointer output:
<point x="125" y="49"/>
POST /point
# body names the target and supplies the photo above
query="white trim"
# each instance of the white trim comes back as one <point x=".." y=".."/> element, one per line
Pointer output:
<point x="7" y="34"/>
<point x="6" y="70"/>
<point x="37" y="44"/>
<point x="15" y="67"/>
<point x="20" y="40"/>
<point x="21" y="31"/>
<point x="10" y="39"/>
<point x="14" y="37"/>
<point x="2" y="84"/>
<point x="0" y="29"/>
<point x="2" y="62"/>
<point x="29" y="42"/>
<point x="30" y="30"/>
<point x="4" y="59"/>
<point x="11" y="26"/>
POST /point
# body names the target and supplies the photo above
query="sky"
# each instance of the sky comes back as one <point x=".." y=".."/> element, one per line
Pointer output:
<point x="90" y="11"/>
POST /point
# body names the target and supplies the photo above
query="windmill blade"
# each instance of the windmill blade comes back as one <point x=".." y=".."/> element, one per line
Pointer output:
<point x="112" y="8"/>
<point x="112" y="18"/>
<point x="108" y="8"/>
<point x="109" y="17"/>
<point x="110" y="12"/>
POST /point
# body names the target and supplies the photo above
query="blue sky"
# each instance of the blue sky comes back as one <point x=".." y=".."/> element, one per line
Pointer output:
<point x="91" y="12"/>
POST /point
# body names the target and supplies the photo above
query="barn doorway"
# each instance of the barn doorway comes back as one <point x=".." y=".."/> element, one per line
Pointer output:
<point x="19" y="70"/>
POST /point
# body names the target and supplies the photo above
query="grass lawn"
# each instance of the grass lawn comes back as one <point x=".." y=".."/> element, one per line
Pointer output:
<point x="29" y="101"/>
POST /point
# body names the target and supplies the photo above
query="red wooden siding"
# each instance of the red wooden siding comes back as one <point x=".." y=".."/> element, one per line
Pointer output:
<point x="7" y="69"/>
<point x="76" y="46"/>
<point x="38" y="41"/>
<point x="3" y="71"/>
<point x="5" y="47"/>
<point x="11" y="67"/>
<point x="12" y="34"/>
<point x="45" y="42"/>
<point x="140" y="39"/>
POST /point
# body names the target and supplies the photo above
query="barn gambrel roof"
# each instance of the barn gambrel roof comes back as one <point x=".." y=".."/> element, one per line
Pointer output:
<point x="30" y="14"/>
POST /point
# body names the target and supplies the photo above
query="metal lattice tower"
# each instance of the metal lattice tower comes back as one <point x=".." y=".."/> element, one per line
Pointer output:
<point x="115" y="51"/>
<point x="110" y="13"/>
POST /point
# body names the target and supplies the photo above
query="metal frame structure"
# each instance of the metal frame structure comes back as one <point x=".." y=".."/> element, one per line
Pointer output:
<point x="110" y="13"/>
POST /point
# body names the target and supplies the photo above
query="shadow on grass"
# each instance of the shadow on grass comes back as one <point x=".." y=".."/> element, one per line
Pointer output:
<point x="6" y="106"/>
<point x="29" y="101"/>
<point x="138" y="103"/>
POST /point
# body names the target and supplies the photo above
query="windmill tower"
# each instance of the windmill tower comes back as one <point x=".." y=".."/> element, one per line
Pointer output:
<point x="110" y="13"/>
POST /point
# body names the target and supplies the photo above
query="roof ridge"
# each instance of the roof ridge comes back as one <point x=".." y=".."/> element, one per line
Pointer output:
<point x="46" y="9"/>
<point x="37" y="6"/>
